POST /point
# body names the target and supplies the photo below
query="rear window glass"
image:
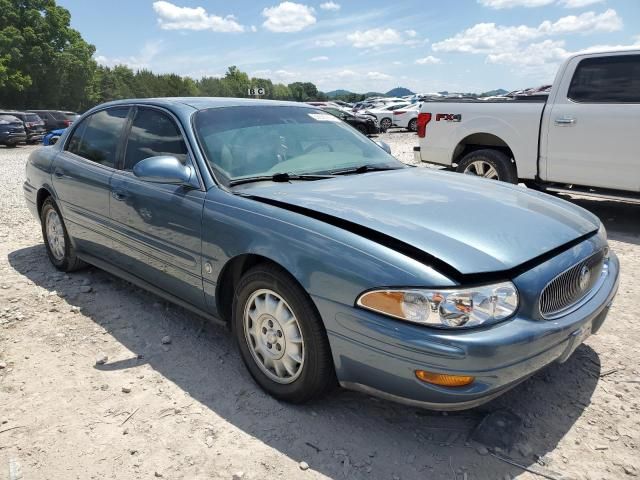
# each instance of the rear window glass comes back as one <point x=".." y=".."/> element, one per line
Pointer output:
<point x="32" y="117"/>
<point x="9" y="118"/>
<point x="613" y="79"/>
<point x="100" y="134"/>
<point x="58" y="115"/>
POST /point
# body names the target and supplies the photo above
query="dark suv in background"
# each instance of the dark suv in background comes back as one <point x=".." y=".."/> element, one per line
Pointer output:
<point x="11" y="131"/>
<point x="33" y="124"/>
<point x="56" y="119"/>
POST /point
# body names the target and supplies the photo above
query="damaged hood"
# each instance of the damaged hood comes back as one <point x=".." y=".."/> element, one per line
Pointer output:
<point x="472" y="224"/>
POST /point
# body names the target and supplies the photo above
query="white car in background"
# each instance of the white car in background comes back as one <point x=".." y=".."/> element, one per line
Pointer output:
<point x="407" y="117"/>
<point x="384" y="114"/>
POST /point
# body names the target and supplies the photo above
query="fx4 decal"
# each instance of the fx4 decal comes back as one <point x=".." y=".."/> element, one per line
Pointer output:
<point x="448" y="117"/>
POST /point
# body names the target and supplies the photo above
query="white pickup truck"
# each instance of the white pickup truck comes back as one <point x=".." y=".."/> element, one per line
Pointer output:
<point x="583" y="137"/>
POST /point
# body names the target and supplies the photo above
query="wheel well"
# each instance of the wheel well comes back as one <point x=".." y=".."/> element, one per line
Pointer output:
<point x="479" y="141"/>
<point x="42" y="195"/>
<point x="229" y="278"/>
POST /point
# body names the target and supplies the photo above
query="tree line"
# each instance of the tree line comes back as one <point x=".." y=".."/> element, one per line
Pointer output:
<point x="44" y="63"/>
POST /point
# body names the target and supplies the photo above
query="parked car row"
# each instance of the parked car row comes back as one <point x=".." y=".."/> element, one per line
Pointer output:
<point x="31" y="126"/>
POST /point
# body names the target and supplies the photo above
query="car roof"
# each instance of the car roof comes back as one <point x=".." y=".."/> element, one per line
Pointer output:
<point x="202" y="103"/>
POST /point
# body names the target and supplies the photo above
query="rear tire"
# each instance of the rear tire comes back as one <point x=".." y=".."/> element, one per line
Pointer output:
<point x="386" y="123"/>
<point x="488" y="163"/>
<point x="413" y="125"/>
<point x="56" y="239"/>
<point x="11" y="145"/>
<point x="280" y="335"/>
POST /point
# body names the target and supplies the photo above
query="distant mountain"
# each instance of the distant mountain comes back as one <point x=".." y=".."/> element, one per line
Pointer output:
<point x="396" y="92"/>
<point x="493" y="93"/>
<point x="337" y="93"/>
<point x="399" y="92"/>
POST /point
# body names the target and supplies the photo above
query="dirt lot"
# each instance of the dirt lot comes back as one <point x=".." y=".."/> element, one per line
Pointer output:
<point x="188" y="409"/>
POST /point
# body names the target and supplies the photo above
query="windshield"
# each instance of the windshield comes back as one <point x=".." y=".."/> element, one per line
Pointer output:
<point x="251" y="141"/>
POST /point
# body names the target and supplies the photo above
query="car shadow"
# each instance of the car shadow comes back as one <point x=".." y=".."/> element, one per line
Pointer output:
<point x="344" y="435"/>
<point x="619" y="218"/>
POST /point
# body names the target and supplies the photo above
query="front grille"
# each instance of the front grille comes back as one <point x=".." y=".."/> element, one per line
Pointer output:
<point x="571" y="286"/>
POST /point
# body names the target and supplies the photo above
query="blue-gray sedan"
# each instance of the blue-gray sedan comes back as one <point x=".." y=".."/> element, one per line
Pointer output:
<point x="331" y="261"/>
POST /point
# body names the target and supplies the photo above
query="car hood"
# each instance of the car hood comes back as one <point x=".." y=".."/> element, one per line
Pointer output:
<point x="472" y="224"/>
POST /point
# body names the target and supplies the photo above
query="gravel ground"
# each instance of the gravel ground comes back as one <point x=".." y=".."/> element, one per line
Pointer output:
<point x="186" y="408"/>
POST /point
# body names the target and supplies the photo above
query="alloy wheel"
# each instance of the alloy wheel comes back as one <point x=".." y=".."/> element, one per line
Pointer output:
<point x="274" y="336"/>
<point x="55" y="235"/>
<point x="481" y="168"/>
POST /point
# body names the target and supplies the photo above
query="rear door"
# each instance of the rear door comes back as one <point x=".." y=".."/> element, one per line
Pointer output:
<point x="81" y="176"/>
<point x="158" y="227"/>
<point x="594" y="123"/>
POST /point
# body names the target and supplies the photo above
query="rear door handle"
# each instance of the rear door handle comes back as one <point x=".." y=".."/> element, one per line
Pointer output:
<point x="118" y="195"/>
<point x="565" y="121"/>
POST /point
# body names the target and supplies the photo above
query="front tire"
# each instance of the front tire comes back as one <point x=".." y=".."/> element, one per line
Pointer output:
<point x="362" y="129"/>
<point x="281" y="336"/>
<point x="56" y="239"/>
<point x="386" y="123"/>
<point x="487" y="163"/>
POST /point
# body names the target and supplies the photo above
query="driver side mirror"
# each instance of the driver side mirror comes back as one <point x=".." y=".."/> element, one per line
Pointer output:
<point x="385" y="146"/>
<point x="165" y="169"/>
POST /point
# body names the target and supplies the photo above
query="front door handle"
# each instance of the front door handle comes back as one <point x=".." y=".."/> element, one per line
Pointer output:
<point x="118" y="195"/>
<point x="564" y="121"/>
<point x="58" y="173"/>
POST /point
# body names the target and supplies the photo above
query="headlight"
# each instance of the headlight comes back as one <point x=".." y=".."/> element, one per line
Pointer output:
<point x="445" y="308"/>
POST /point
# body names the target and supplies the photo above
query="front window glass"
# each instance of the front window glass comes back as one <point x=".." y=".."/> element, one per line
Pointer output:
<point x="153" y="134"/>
<point x="264" y="140"/>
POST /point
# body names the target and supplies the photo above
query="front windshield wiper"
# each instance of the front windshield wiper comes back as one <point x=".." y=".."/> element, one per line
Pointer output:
<point x="364" y="169"/>
<point x="278" y="177"/>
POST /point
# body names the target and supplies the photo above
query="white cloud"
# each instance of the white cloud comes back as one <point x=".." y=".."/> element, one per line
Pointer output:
<point x="377" y="37"/>
<point x="535" y="54"/>
<point x="499" y="4"/>
<point x="254" y="28"/>
<point x="333" y="6"/>
<point x="578" y="3"/>
<point x="325" y="43"/>
<point x="281" y="75"/>
<point x="321" y="58"/>
<point x="288" y="17"/>
<point x="345" y="73"/>
<point x="172" y="17"/>
<point x="143" y="60"/>
<point x="378" y="76"/>
<point x="428" y="60"/>
<point x="494" y="39"/>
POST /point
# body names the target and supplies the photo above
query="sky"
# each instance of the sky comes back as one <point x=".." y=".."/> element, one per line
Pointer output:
<point x="358" y="45"/>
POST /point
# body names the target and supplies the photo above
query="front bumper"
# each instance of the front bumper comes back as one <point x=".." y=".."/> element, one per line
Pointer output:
<point x="13" y="138"/>
<point x="379" y="355"/>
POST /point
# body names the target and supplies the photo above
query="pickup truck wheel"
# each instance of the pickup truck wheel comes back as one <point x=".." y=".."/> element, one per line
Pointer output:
<point x="491" y="164"/>
<point x="56" y="239"/>
<point x="413" y="125"/>
<point x="281" y="336"/>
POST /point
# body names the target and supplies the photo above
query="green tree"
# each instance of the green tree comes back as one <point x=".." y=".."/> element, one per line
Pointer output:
<point x="43" y="61"/>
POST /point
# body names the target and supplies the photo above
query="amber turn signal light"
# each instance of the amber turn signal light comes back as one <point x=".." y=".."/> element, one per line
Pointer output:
<point x="443" y="379"/>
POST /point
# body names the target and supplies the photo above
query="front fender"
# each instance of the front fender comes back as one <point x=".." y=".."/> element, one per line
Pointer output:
<point x="327" y="261"/>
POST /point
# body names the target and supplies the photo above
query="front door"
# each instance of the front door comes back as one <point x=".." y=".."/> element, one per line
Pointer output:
<point x="593" y="125"/>
<point x="157" y="227"/>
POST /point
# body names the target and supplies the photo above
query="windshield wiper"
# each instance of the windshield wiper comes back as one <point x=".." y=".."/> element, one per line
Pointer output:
<point x="278" y="177"/>
<point x="364" y="169"/>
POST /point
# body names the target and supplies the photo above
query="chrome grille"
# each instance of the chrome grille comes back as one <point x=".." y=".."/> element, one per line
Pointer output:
<point x="571" y="286"/>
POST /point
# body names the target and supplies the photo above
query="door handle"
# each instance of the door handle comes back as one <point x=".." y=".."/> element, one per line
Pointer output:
<point x="118" y="195"/>
<point x="58" y="173"/>
<point x="565" y="121"/>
